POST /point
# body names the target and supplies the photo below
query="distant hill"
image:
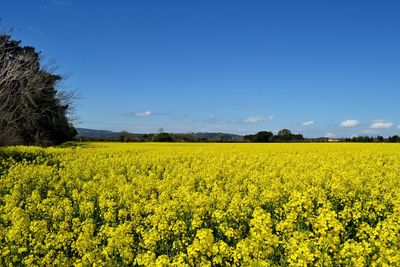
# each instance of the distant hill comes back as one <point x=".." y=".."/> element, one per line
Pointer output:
<point x="97" y="133"/>
<point x="217" y="136"/>
<point x="105" y="134"/>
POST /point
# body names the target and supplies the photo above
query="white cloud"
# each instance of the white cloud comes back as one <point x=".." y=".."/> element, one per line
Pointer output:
<point x="257" y="119"/>
<point x="398" y="126"/>
<point x="143" y="114"/>
<point x="308" y="123"/>
<point x="349" y="123"/>
<point x="381" y="125"/>
<point x="329" y="135"/>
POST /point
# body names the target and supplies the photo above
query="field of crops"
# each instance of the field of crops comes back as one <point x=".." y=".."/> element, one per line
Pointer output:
<point x="200" y="205"/>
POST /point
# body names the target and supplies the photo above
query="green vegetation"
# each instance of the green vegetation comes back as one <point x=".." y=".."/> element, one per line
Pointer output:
<point x="283" y="135"/>
<point x="179" y="204"/>
<point x="32" y="111"/>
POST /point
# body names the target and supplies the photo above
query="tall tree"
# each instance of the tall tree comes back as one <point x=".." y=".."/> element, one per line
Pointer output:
<point x="284" y="133"/>
<point x="264" y="136"/>
<point x="30" y="111"/>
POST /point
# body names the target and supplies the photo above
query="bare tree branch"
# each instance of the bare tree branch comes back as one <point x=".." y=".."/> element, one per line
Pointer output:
<point x="29" y="102"/>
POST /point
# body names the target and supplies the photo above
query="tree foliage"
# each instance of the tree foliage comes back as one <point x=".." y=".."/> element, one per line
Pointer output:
<point x="162" y="137"/>
<point x="283" y="135"/>
<point x="262" y="136"/>
<point x="394" y="139"/>
<point x="30" y="110"/>
<point x="286" y="135"/>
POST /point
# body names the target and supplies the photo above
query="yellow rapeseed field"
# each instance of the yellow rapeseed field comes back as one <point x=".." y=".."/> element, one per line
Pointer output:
<point x="147" y="204"/>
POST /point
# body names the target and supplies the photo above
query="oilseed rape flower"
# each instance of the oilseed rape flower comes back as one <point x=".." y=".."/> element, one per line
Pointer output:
<point x="180" y="204"/>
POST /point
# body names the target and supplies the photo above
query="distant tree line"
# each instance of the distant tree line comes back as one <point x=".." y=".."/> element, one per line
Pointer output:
<point x="125" y="136"/>
<point x="32" y="111"/>
<point x="370" y="139"/>
<point x="283" y="135"/>
<point x="159" y="137"/>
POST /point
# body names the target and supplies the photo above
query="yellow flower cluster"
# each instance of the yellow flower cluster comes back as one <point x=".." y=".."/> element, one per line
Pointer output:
<point x="145" y="204"/>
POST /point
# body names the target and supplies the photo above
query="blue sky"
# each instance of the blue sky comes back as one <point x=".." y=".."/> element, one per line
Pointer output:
<point x="322" y="68"/>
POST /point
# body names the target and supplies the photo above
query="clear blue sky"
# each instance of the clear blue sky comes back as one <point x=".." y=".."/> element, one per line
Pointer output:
<point x="322" y="68"/>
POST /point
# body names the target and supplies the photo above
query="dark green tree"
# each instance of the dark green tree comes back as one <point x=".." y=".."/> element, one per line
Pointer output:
<point x="394" y="139"/>
<point x="284" y="133"/>
<point x="30" y="111"/>
<point x="287" y="135"/>
<point x="264" y="136"/>
<point x="162" y="137"/>
<point x="249" y="137"/>
<point x="124" y="136"/>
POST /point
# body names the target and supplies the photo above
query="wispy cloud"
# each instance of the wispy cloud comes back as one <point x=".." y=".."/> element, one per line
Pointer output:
<point x="398" y="126"/>
<point x="257" y="119"/>
<point x="148" y="113"/>
<point x="330" y="135"/>
<point x="349" y="123"/>
<point x="308" y="123"/>
<point x="143" y="114"/>
<point x="211" y="119"/>
<point x="179" y="116"/>
<point x="381" y="125"/>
